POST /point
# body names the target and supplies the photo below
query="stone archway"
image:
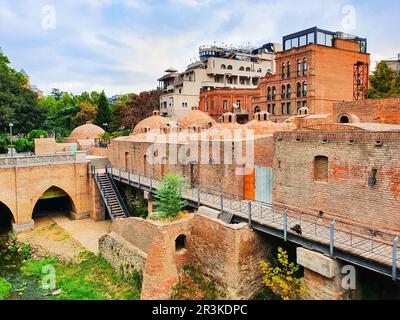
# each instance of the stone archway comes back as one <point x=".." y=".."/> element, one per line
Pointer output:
<point x="54" y="200"/>
<point x="6" y="218"/>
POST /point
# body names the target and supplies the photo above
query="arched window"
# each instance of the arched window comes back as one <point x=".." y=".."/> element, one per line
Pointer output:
<point x="288" y="91"/>
<point x="305" y="66"/>
<point x="289" y="67"/>
<point x="259" y="70"/>
<point x="298" y="68"/>
<point x="229" y="67"/>
<point x="344" y="119"/>
<point x="269" y="93"/>
<point x="257" y="109"/>
<point x="273" y="93"/>
<point x="321" y="165"/>
<point x="283" y="70"/>
<point x="223" y="66"/>
<point x="283" y="92"/>
<point x="180" y="242"/>
<point x="298" y="89"/>
<point x="304" y="89"/>
<point x="241" y="68"/>
<point x="248" y="69"/>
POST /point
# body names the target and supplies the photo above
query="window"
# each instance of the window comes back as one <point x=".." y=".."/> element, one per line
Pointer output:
<point x="289" y="66"/>
<point x="273" y="93"/>
<point x="212" y="105"/>
<point x="283" y="92"/>
<point x="304" y="89"/>
<point x="229" y="67"/>
<point x="180" y="242"/>
<point x="206" y="107"/>
<point x="257" y="109"/>
<point x="303" y="40"/>
<point x="298" y="68"/>
<point x="344" y="119"/>
<point x="248" y="69"/>
<point x="223" y="66"/>
<point x="311" y="38"/>
<point x="288" y="91"/>
<point x="269" y="108"/>
<point x="283" y="70"/>
<point x="269" y="94"/>
<point x="298" y="106"/>
<point x="305" y="105"/>
<point x="283" y="108"/>
<point x="288" y="108"/>
<point x="305" y="66"/>
<point x="298" y="90"/>
<point x="273" y="108"/>
<point x="288" y="44"/>
<point x="238" y="103"/>
<point x="259" y="70"/>
<point x="321" y="168"/>
<point x="225" y="104"/>
<point x="241" y="69"/>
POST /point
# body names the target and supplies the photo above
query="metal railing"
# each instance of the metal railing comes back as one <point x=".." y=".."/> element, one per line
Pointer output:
<point x="337" y="236"/>
<point x="116" y="191"/>
<point x="42" y="159"/>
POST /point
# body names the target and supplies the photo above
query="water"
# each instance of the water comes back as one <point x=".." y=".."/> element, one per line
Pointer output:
<point x="24" y="288"/>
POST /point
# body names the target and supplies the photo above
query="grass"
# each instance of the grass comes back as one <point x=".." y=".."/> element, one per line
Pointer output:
<point x="91" y="279"/>
<point x="5" y="288"/>
<point x="194" y="286"/>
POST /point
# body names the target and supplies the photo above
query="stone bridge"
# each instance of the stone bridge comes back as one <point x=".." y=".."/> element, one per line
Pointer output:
<point x="24" y="180"/>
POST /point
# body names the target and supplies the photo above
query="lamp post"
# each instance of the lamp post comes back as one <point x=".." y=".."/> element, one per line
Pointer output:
<point x="105" y="126"/>
<point x="11" y="135"/>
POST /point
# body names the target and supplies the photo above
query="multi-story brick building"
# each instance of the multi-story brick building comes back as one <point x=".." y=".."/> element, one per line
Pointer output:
<point x="315" y="69"/>
<point x="216" y="102"/>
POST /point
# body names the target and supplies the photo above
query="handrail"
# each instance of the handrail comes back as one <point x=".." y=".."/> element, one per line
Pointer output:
<point x="117" y="193"/>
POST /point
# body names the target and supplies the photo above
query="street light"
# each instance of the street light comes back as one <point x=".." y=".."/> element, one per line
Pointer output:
<point x="11" y="126"/>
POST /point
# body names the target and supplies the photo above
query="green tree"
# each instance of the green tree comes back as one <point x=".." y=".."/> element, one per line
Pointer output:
<point x="384" y="82"/>
<point x="282" y="279"/>
<point x="168" y="201"/>
<point x="18" y="104"/>
<point x="87" y="112"/>
<point x="103" y="114"/>
<point x="23" y="145"/>
<point x="35" y="134"/>
<point x="4" y="142"/>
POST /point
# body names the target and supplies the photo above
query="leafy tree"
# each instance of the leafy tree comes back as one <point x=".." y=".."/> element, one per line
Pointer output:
<point x="23" y="145"/>
<point x="103" y="112"/>
<point x="35" y="134"/>
<point x="87" y="112"/>
<point x="282" y="279"/>
<point x="4" y="142"/>
<point x="56" y="93"/>
<point x="384" y="82"/>
<point x="168" y="200"/>
<point x="18" y="104"/>
<point x="61" y="120"/>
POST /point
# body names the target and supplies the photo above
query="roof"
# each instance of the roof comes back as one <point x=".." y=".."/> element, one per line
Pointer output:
<point x="196" y="118"/>
<point x="374" y="126"/>
<point x="86" y="131"/>
<point x="153" y="122"/>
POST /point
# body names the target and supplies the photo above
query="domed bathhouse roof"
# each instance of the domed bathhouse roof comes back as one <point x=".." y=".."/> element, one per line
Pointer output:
<point x="196" y="118"/>
<point x="154" y="122"/>
<point x="262" y="125"/>
<point x="86" y="131"/>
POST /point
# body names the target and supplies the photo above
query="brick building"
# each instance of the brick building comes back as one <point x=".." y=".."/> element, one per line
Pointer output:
<point x="315" y="69"/>
<point x="216" y="102"/>
<point x="349" y="176"/>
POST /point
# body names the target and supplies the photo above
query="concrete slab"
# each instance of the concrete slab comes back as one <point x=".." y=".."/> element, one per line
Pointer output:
<point x="318" y="263"/>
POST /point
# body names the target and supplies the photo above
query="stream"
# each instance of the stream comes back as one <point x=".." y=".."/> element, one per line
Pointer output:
<point x="24" y="287"/>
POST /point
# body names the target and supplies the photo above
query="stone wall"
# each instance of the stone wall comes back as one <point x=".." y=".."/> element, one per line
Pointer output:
<point x="346" y="194"/>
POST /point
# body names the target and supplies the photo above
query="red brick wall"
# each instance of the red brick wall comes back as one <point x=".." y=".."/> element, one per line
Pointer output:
<point x="346" y="195"/>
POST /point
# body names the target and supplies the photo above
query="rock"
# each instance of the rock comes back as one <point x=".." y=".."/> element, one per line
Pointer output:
<point x="56" y="293"/>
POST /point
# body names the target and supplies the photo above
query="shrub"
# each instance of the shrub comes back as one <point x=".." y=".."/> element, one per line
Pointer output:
<point x="23" y="145"/>
<point x="3" y="144"/>
<point x="5" y="288"/>
<point x="282" y="279"/>
<point x="168" y="201"/>
<point x="35" y="134"/>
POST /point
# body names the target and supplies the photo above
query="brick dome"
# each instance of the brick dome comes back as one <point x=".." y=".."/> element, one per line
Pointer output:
<point x="196" y="118"/>
<point x="262" y="125"/>
<point x="154" y="122"/>
<point x="86" y="131"/>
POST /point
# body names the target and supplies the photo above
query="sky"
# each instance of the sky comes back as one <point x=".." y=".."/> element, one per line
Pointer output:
<point x="123" y="46"/>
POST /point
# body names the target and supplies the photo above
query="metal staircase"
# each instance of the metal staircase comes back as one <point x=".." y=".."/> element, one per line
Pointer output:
<point x="111" y="196"/>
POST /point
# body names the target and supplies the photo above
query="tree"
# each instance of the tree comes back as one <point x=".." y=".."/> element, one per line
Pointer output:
<point x="23" y="145"/>
<point x="36" y="134"/>
<point x="87" y="112"/>
<point x="4" y="142"/>
<point x="103" y="115"/>
<point x="56" y="93"/>
<point x="282" y="279"/>
<point x="18" y="104"/>
<point x="168" y="200"/>
<point x="384" y="82"/>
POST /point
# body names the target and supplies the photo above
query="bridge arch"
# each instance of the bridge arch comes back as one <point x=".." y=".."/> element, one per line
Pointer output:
<point x="6" y="218"/>
<point x="53" y="199"/>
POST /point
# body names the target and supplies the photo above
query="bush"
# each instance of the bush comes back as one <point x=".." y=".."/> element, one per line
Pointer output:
<point x="3" y="144"/>
<point x="23" y="145"/>
<point x="35" y="134"/>
<point x="5" y="288"/>
<point x="168" y="201"/>
<point x="282" y="279"/>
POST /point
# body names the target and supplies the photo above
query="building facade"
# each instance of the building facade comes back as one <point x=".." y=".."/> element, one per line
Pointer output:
<point x="394" y="64"/>
<point x="218" y="67"/>
<point x="315" y="69"/>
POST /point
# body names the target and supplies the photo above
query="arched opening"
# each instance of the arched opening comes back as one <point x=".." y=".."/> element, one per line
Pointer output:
<point x="344" y="119"/>
<point x="6" y="218"/>
<point x="257" y="109"/>
<point x="321" y="168"/>
<point x="180" y="242"/>
<point x="54" y="201"/>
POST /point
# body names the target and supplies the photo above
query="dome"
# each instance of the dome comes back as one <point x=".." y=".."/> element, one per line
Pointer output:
<point x="196" y="118"/>
<point x="262" y="125"/>
<point x="86" y="131"/>
<point x="154" y="122"/>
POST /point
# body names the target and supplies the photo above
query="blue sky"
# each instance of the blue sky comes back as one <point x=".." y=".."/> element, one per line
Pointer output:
<point x="125" y="45"/>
